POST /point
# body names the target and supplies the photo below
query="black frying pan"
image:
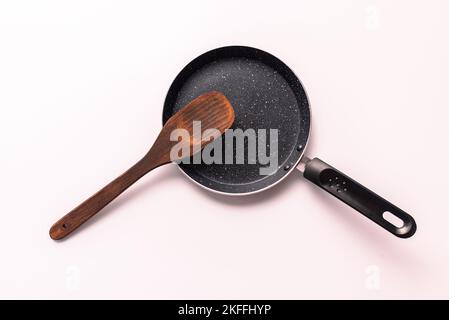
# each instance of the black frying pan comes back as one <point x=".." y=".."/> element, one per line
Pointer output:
<point x="266" y="94"/>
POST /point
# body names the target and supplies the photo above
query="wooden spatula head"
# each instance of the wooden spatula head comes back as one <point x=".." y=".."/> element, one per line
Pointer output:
<point x="212" y="110"/>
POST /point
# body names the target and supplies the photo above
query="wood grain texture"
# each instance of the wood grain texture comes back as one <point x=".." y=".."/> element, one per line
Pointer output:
<point x="212" y="109"/>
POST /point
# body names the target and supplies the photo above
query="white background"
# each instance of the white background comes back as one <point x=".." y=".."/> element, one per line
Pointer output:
<point x="82" y="86"/>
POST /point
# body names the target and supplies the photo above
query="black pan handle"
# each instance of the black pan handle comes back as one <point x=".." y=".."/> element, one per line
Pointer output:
<point x="358" y="197"/>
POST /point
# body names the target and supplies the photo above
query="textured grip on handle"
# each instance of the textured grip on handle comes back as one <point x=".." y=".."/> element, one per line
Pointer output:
<point x="358" y="197"/>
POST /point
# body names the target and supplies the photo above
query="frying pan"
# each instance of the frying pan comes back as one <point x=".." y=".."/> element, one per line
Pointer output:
<point x="266" y="94"/>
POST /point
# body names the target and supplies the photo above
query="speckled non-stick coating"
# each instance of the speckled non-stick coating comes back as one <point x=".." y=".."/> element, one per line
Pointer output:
<point x="265" y="94"/>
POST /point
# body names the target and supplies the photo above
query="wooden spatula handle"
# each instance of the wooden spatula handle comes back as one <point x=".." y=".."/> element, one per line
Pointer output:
<point x="99" y="200"/>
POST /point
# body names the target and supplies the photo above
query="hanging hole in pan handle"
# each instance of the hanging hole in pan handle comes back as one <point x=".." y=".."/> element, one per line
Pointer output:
<point x="391" y="218"/>
<point x="368" y="203"/>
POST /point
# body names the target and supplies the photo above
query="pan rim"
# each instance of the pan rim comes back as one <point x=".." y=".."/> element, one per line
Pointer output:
<point x="302" y="153"/>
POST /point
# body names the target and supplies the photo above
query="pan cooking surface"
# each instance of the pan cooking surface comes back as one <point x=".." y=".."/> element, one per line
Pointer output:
<point x="265" y="94"/>
<point x="261" y="98"/>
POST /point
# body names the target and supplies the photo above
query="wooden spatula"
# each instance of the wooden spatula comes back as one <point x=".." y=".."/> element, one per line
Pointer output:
<point x="212" y="109"/>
